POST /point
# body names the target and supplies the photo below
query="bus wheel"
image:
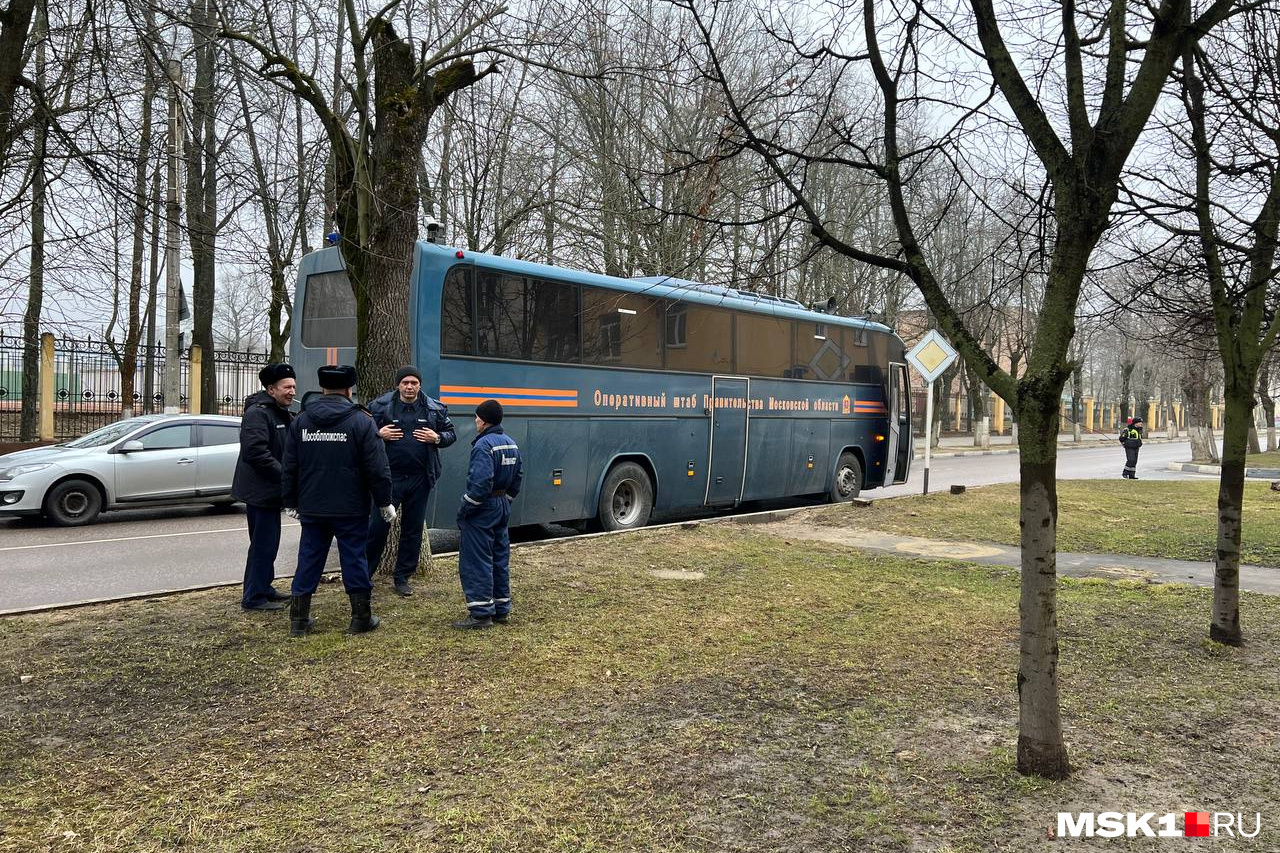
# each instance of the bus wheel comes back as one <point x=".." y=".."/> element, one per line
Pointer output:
<point x="626" y="499"/>
<point x="848" y="481"/>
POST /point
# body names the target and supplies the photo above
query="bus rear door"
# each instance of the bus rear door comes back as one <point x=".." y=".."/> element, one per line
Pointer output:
<point x="728" y="450"/>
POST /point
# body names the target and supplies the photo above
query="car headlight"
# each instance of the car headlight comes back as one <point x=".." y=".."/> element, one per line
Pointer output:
<point x="18" y="470"/>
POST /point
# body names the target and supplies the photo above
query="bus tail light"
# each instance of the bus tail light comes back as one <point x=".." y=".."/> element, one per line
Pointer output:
<point x="879" y="438"/>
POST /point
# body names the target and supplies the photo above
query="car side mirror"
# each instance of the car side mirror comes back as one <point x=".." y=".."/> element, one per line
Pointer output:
<point x="131" y="446"/>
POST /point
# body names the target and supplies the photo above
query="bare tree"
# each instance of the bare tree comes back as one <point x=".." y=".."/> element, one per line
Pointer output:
<point x="397" y="85"/>
<point x="1080" y="122"/>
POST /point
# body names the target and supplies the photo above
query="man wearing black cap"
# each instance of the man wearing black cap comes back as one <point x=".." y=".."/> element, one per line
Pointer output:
<point x="333" y="463"/>
<point x="263" y="430"/>
<point x="414" y="428"/>
<point x="484" y="557"/>
<point x="1131" y="438"/>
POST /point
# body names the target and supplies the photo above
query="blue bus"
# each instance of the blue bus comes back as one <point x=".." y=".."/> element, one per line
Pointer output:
<point x="629" y="396"/>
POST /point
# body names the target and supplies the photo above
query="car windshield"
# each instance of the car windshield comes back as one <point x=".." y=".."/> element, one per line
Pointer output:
<point x="110" y="433"/>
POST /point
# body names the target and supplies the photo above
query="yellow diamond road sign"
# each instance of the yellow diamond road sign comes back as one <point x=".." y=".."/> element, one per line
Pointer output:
<point x="931" y="356"/>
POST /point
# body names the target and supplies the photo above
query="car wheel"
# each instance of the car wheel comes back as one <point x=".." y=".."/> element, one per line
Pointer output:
<point x="848" y="480"/>
<point x="72" y="503"/>
<point x="626" y="499"/>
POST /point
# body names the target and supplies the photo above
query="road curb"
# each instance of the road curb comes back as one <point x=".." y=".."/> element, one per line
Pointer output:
<point x="762" y="517"/>
<point x="1216" y="470"/>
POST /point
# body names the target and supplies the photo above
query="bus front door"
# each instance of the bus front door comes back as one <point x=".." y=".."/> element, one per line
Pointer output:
<point x="728" y="451"/>
<point x="899" y="451"/>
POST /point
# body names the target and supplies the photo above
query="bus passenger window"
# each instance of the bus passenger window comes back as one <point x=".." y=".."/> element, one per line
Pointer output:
<point x="457" y="313"/>
<point x="699" y="339"/>
<point x="819" y="353"/>
<point x="764" y="345"/>
<point x="551" y="322"/>
<point x="527" y="319"/>
<point x="328" y="311"/>
<point x="621" y="328"/>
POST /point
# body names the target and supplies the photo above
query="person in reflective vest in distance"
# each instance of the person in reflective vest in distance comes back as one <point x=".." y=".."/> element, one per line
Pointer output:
<point x="484" y="557"/>
<point x="413" y="428"/>
<point x="1131" y="438"/>
<point x="333" y="464"/>
<point x="264" y="430"/>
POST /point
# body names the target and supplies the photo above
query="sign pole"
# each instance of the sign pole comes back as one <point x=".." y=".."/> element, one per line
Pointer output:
<point x="928" y="431"/>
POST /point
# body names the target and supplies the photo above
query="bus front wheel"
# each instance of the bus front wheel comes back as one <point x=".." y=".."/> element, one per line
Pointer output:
<point x="626" y="499"/>
<point x="848" y="480"/>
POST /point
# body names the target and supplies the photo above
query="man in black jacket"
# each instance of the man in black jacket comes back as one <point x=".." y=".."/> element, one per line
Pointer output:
<point x="1131" y="438"/>
<point x="333" y="463"/>
<point x="415" y="427"/>
<point x="263" y="430"/>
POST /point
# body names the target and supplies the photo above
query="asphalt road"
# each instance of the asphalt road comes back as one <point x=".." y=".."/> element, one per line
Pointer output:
<point x="145" y="552"/>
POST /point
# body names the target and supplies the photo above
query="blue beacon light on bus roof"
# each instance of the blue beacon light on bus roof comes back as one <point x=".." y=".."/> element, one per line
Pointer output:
<point x="332" y="238"/>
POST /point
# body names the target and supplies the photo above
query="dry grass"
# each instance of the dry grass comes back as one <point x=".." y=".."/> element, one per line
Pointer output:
<point x="795" y="697"/>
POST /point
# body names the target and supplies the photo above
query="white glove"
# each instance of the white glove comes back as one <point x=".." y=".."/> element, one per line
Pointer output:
<point x="388" y="513"/>
<point x="291" y="512"/>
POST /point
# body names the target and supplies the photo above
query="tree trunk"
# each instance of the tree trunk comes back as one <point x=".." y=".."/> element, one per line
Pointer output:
<point x="28" y="427"/>
<point x="978" y="394"/>
<point x="202" y="197"/>
<point x="1195" y="397"/>
<point x="1041" y="749"/>
<point x="133" y="329"/>
<point x="1225" y="627"/>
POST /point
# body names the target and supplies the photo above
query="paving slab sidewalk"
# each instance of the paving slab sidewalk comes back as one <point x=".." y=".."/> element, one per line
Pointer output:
<point x="962" y="445"/>
<point x="1106" y="566"/>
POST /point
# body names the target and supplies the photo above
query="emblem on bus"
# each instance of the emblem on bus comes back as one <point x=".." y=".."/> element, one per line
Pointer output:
<point x="845" y="405"/>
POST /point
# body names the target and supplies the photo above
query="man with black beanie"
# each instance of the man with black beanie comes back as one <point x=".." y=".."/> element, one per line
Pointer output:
<point x="263" y="431"/>
<point x="414" y="428"/>
<point x="484" y="556"/>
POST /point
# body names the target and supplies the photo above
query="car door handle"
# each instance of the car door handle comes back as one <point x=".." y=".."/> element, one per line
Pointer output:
<point x="186" y="461"/>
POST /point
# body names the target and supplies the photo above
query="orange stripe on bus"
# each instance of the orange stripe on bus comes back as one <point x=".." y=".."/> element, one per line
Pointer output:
<point x="466" y="401"/>
<point x="473" y="389"/>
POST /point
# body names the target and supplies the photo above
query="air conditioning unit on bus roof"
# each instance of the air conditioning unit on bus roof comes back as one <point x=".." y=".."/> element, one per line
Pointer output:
<point x="717" y="289"/>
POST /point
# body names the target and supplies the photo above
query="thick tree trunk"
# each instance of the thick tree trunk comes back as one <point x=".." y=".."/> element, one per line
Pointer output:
<point x="1041" y="749"/>
<point x="1225" y="627"/>
<point x="202" y="197"/>
<point x="133" y="329"/>
<point x="1195" y="397"/>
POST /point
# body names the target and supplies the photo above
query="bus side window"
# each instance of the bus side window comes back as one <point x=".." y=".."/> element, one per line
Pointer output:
<point x="819" y="354"/>
<point x="621" y="328"/>
<point x="763" y="345"/>
<point x="328" y="311"/>
<point x="457" y="313"/>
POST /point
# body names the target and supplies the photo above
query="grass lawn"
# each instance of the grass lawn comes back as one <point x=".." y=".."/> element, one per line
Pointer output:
<point x="1269" y="459"/>
<point x="711" y="689"/>
<point x="1146" y="518"/>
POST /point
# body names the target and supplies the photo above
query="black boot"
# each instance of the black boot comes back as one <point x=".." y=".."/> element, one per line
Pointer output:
<point x="300" y="621"/>
<point x="362" y="618"/>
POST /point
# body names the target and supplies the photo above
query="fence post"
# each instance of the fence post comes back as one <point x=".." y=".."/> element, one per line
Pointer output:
<point x="46" y="386"/>
<point x="193" y="381"/>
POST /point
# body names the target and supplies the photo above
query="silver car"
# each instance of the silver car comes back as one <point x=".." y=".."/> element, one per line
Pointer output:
<point x="153" y="460"/>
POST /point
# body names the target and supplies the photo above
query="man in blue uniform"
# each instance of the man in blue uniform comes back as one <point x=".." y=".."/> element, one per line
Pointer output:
<point x="415" y="427"/>
<point x="333" y="463"/>
<point x="263" y="431"/>
<point x="493" y="481"/>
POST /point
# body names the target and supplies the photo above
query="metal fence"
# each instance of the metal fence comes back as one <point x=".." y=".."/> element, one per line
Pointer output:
<point x="87" y="387"/>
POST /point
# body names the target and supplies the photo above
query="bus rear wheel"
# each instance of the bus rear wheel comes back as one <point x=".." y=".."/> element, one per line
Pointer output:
<point x="848" y="481"/>
<point x="626" y="499"/>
